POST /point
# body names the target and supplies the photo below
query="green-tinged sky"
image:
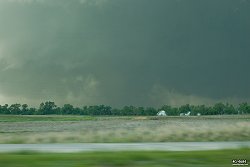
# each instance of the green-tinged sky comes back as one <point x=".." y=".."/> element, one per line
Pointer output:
<point x="124" y="52"/>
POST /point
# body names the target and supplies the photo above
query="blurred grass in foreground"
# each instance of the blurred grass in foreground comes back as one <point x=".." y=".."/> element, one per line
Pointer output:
<point x="85" y="129"/>
<point x="219" y="158"/>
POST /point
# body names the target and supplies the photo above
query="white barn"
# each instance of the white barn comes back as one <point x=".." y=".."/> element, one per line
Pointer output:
<point x="162" y="113"/>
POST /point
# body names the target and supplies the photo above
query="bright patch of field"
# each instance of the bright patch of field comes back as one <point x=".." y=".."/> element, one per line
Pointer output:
<point x="79" y="129"/>
<point x="126" y="159"/>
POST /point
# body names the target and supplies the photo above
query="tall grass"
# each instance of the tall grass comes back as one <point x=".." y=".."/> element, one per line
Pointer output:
<point x="135" y="129"/>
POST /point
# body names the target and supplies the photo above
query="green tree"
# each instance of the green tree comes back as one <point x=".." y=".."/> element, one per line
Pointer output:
<point x="219" y="108"/>
<point x="25" y="109"/>
<point x="229" y="109"/>
<point x="150" y="111"/>
<point x="244" y="108"/>
<point x="67" y="109"/>
<point x="169" y="110"/>
<point x="32" y="111"/>
<point x="5" y="109"/>
<point x="140" y="111"/>
<point x="128" y="110"/>
<point x="184" y="108"/>
<point x="47" y="108"/>
<point x="15" y="109"/>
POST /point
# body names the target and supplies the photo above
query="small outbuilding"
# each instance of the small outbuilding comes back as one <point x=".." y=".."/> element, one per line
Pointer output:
<point x="162" y="113"/>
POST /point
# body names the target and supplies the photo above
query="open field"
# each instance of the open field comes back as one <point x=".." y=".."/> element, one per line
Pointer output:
<point x="221" y="158"/>
<point x="80" y="129"/>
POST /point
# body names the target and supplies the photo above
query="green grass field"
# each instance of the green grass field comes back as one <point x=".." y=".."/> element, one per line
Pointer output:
<point x="219" y="158"/>
<point x="79" y="129"/>
<point x="28" y="118"/>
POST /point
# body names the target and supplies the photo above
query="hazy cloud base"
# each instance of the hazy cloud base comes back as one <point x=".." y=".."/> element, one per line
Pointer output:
<point x="124" y="52"/>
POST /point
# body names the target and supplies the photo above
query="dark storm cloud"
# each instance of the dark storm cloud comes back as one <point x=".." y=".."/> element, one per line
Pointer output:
<point x="122" y="52"/>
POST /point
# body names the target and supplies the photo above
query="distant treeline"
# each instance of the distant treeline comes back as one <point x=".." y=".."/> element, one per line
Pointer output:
<point x="68" y="109"/>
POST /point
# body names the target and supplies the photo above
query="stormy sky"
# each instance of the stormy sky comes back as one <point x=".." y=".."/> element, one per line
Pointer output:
<point x="124" y="52"/>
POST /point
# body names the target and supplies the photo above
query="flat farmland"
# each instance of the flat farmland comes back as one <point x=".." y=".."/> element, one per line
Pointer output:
<point x="86" y="129"/>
